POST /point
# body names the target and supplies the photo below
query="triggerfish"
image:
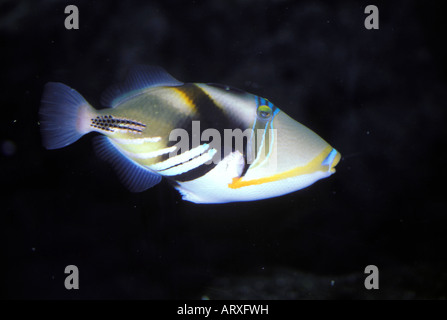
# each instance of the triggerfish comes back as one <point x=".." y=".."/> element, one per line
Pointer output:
<point x="215" y="143"/>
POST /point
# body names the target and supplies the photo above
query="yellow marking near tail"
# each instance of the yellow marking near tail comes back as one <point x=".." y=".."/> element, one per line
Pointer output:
<point x="312" y="166"/>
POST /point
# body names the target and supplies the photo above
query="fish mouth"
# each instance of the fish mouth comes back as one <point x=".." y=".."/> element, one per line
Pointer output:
<point x="332" y="160"/>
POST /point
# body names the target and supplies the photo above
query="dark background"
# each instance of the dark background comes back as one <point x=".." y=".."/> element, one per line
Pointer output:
<point x="378" y="96"/>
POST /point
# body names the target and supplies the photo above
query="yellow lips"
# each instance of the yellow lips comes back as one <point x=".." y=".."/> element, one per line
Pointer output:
<point x="335" y="162"/>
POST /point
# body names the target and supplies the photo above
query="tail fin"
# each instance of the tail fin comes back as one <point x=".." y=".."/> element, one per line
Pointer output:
<point x="63" y="115"/>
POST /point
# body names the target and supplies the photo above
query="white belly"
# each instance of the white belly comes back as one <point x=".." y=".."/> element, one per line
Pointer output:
<point x="213" y="186"/>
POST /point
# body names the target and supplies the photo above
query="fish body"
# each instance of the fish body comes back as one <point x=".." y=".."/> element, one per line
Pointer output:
<point x="215" y="143"/>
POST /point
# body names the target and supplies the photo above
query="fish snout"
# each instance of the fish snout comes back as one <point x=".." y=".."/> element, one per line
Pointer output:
<point x="332" y="160"/>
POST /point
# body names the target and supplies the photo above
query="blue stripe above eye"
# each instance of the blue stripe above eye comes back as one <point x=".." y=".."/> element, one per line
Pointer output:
<point x="330" y="158"/>
<point x="260" y="101"/>
<point x="264" y="102"/>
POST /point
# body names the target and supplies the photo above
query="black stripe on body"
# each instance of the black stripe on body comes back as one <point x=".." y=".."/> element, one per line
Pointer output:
<point x="211" y="116"/>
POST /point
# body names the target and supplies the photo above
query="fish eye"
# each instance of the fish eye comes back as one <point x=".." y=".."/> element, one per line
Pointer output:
<point x="264" y="112"/>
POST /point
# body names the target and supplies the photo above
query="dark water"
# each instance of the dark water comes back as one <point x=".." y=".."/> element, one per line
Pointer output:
<point x="378" y="96"/>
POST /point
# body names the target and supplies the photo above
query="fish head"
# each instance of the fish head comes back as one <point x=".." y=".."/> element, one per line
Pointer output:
<point x="284" y="154"/>
<point x="281" y="154"/>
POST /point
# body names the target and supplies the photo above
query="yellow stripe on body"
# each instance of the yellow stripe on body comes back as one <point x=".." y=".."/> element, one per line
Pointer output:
<point x="312" y="166"/>
<point x="187" y="101"/>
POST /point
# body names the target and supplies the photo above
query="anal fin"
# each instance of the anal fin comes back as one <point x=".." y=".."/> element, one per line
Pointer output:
<point x="133" y="175"/>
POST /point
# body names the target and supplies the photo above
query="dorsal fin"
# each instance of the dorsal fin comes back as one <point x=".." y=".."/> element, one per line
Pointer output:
<point x="139" y="79"/>
<point x="134" y="176"/>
